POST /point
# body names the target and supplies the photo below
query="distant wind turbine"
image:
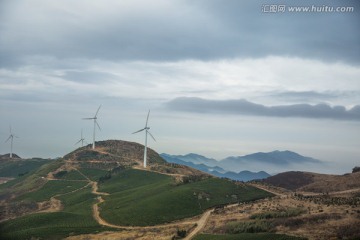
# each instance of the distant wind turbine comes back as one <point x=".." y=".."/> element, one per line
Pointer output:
<point x="82" y="139"/>
<point x="12" y="138"/>
<point x="146" y="128"/>
<point x="95" y="123"/>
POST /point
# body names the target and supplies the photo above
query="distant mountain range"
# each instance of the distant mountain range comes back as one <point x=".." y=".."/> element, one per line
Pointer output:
<point x="237" y="168"/>
<point x="275" y="157"/>
<point x="192" y="160"/>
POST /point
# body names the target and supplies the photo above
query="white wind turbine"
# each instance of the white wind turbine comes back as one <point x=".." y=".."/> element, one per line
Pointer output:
<point x="146" y="128"/>
<point x="95" y="123"/>
<point x="82" y="139"/>
<point x="12" y="138"/>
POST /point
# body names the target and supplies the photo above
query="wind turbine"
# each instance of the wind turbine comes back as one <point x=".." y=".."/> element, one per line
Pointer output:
<point x="95" y="123"/>
<point x="81" y="139"/>
<point x="146" y="128"/>
<point x="12" y="138"/>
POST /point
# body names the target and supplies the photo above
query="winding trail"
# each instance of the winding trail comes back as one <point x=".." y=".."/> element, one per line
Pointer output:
<point x="101" y="221"/>
<point x="200" y="224"/>
<point x="277" y="193"/>
<point x="200" y="221"/>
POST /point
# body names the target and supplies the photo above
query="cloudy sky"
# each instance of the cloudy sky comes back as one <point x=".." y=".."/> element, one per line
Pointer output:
<point x="222" y="78"/>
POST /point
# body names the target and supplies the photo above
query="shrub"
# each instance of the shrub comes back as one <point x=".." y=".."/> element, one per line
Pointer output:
<point x="350" y="231"/>
<point x="181" y="233"/>
<point x="315" y="219"/>
<point x="249" y="227"/>
<point x="107" y="176"/>
<point x="291" y="212"/>
<point x="60" y="174"/>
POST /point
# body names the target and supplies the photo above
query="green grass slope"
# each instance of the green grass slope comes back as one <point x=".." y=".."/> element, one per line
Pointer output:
<point x="28" y="182"/>
<point x="19" y="167"/>
<point x="52" y="188"/>
<point x="143" y="198"/>
<point x="75" y="218"/>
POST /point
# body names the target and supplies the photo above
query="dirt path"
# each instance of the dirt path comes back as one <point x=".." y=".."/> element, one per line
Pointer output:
<point x="277" y="193"/>
<point x="95" y="189"/>
<point x="149" y="170"/>
<point x="354" y="190"/>
<point x="101" y="221"/>
<point x="200" y="224"/>
<point x="55" y="205"/>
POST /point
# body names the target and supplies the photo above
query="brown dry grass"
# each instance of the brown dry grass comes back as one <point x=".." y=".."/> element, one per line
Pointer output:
<point x="315" y="182"/>
<point x="320" y="221"/>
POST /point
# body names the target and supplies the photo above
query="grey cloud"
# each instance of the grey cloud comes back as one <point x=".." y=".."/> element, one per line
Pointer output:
<point x="88" y="76"/>
<point x="210" y="29"/>
<point x="304" y="95"/>
<point x="244" y="107"/>
<point x="313" y="96"/>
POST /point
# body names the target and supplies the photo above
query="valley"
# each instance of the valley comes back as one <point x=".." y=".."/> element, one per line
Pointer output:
<point x="107" y="194"/>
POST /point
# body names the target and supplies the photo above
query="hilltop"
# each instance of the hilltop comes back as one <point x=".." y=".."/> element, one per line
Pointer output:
<point x="117" y="153"/>
<point x="7" y="156"/>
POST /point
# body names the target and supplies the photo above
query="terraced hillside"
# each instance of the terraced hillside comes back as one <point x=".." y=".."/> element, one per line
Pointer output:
<point x="92" y="191"/>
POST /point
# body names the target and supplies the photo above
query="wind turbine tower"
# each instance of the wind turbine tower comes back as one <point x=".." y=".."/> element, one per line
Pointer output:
<point x="12" y="139"/>
<point x="81" y="139"/>
<point x="95" y="123"/>
<point x="146" y="128"/>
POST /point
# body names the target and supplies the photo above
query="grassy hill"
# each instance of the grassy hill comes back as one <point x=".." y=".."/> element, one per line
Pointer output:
<point x="18" y="167"/>
<point x="57" y="199"/>
<point x="144" y="198"/>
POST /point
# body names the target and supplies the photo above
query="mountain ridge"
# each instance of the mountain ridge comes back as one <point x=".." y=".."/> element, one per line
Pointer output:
<point x="233" y="167"/>
<point x="274" y="157"/>
<point x="314" y="182"/>
<point x="215" y="170"/>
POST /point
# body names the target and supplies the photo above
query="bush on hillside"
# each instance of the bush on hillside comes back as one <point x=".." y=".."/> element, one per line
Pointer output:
<point x="249" y="227"/>
<point x="60" y="174"/>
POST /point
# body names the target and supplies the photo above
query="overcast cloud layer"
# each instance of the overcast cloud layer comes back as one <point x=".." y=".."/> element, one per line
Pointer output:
<point x="59" y="60"/>
<point x="174" y="30"/>
<point x="244" y="107"/>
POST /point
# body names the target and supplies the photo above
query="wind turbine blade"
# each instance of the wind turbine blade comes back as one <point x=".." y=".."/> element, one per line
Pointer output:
<point x="147" y="119"/>
<point x="151" y="135"/>
<point x="10" y="129"/>
<point x="88" y="118"/>
<point x="98" y="125"/>
<point x="8" y="138"/>
<point x="78" y="141"/>
<point x="97" y="111"/>
<point x="139" y="131"/>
